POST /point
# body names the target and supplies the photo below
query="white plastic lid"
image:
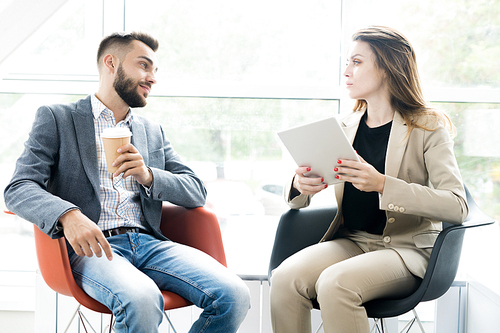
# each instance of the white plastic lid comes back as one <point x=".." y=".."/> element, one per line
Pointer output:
<point x="116" y="132"/>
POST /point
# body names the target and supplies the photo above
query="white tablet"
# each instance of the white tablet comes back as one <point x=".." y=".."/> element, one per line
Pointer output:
<point x="319" y="145"/>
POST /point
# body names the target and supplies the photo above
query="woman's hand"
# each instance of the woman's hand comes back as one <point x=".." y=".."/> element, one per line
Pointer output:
<point x="361" y="175"/>
<point x="307" y="185"/>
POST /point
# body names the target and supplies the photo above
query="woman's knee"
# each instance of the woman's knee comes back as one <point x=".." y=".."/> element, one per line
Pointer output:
<point x="336" y="284"/>
<point x="280" y="282"/>
<point x="288" y="284"/>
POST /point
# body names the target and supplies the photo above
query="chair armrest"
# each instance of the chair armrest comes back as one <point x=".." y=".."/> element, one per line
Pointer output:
<point x="476" y="217"/>
<point x="196" y="227"/>
<point x="53" y="263"/>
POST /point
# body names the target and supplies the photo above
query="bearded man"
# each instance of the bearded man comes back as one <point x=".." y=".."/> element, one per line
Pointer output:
<point x="62" y="185"/>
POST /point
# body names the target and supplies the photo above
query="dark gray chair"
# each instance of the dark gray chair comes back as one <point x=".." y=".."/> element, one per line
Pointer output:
<point x="298" y="229"/>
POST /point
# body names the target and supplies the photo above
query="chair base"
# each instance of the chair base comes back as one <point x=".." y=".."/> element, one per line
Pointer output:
<point x="84" y="321"/>
<point x="380" y="326"/>
<point x="169" y="321"/>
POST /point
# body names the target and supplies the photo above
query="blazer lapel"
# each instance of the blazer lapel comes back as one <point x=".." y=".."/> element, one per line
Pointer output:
<point x="139" y="138"/>
<point x="398" y="140"/>
<point x="350" y="126"/>
<point x="85" y="138"/>
<point x="395" y="150"/>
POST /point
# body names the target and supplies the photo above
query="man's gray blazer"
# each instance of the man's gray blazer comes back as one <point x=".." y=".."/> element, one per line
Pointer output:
<point x="58" y="170"/>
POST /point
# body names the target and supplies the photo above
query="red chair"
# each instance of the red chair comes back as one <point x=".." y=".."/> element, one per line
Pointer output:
<point x="196" y="227"/>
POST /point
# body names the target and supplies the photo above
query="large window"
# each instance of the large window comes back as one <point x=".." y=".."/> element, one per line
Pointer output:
<point x="257" y="43"/>
<point x="233" y="73"/>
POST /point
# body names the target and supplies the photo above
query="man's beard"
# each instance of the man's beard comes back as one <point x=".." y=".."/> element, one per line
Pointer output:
<point x="126" y="88"/>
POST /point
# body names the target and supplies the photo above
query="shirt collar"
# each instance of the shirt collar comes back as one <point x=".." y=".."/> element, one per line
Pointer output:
<point x="98" y="109"/>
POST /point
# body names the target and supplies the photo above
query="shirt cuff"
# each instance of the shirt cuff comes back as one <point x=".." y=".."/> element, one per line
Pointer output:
<point x="148" y="189"/>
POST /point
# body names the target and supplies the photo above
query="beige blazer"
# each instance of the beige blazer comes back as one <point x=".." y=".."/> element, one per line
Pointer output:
<point x="423" y="187"/>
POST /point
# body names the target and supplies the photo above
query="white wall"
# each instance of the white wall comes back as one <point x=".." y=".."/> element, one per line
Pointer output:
<point x="17" y="321"/>
<point x="483" y="310"/>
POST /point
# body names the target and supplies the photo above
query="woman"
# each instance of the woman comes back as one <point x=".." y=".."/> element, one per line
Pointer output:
<point x="391" y="203"/>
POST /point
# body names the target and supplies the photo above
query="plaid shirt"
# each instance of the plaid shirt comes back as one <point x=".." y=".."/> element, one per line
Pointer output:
<point x="120" y="198"/>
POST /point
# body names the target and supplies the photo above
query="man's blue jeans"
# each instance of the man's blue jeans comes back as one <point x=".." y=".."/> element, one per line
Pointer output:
<point x="142" y="265"/>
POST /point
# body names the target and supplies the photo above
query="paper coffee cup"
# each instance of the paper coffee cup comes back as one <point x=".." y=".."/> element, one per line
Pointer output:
<point x="112" y="139"/>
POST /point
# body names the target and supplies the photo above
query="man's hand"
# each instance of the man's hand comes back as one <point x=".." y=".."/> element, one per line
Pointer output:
<point x="84" y="235"/>
<point x="132" y="164"/>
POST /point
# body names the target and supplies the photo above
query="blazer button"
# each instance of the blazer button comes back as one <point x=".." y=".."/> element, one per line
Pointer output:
<point x="391" y="220"/>
<point x="390" y="206"/>
<point x="402" y="209"/>
<point x="42" y="225"/>
<point x="396" y="208"/>
<point x="387" y="239"/>
<point x="159" y="195"/>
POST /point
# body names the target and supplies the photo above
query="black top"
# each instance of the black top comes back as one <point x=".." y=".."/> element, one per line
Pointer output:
<point x="361" y="209"/>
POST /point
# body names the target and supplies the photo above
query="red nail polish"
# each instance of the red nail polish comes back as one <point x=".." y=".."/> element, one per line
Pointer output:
<point x="337" y="176"/>
<point x="336" y="169"/>
<point x="339" y="162"/>
<point x="326" y="185"/>
<point x="322" y="179"/>
<point x="308" y="169"/>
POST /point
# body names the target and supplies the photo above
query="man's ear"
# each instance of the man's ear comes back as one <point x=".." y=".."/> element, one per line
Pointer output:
<point x="109" y="62"/>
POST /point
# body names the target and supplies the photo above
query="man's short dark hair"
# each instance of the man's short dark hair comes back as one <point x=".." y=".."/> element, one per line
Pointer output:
<point x="124" y="40"/>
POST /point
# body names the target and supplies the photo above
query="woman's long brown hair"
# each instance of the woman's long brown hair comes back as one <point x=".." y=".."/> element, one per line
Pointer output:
<point x="395" y="55"/>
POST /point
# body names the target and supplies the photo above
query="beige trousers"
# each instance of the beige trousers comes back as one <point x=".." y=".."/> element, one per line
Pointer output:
<point x="341" y="274"/>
